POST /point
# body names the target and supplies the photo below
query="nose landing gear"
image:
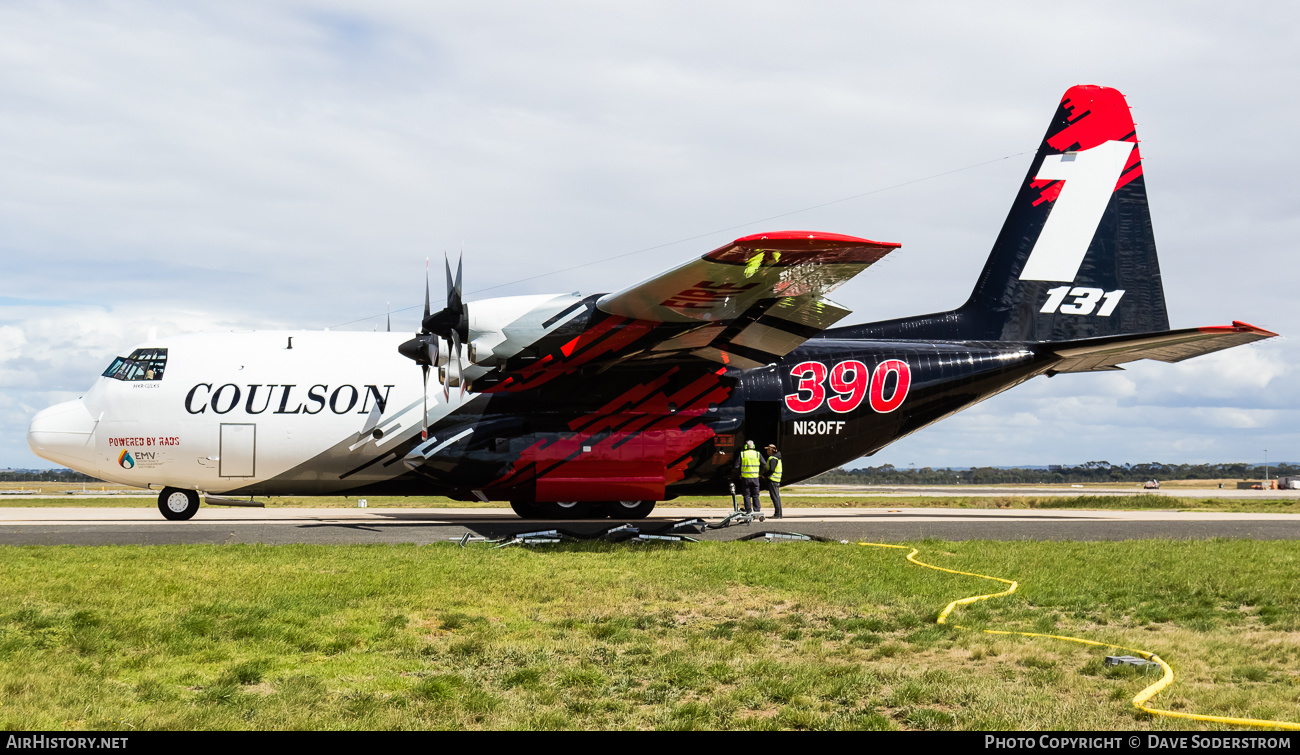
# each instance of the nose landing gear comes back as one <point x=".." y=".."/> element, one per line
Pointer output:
<point x="178" y="505"/>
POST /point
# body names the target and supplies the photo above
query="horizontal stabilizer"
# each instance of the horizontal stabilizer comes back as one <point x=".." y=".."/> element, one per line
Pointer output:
<point x="1097" y="354"/>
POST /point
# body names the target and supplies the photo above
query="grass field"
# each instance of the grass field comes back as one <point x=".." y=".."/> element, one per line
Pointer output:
<point x="701" y="636"/>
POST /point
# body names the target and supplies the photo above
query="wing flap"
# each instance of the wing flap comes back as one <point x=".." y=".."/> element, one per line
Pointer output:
<point x="755" y="299"/>
<point x="726" y="282"/>
<point x="743" y="305"/>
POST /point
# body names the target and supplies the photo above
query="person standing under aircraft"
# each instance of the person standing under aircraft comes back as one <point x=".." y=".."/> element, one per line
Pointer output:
<point x="772" y="475"/>
<point x="749" y="463"/>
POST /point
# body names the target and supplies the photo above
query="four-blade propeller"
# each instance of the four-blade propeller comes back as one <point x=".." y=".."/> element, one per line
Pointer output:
<point x="450" y="324"/>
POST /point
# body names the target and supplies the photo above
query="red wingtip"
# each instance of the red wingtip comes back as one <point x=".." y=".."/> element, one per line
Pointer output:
<point x="1238" y="326"/>
<point x="829" y="239"/>
<point x="799" y="247"/>
<point x="1245" y="326"/>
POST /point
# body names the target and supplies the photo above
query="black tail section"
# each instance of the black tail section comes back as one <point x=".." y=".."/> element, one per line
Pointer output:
<point x="1076" y="257"/>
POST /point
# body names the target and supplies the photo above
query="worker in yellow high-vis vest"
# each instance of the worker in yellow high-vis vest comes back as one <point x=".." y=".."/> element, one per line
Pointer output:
<point x="772" y="474"/>
<point x="749" y="464"/>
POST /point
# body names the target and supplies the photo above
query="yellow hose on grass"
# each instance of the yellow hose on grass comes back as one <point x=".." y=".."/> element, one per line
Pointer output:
<point x="1139" y="702"/>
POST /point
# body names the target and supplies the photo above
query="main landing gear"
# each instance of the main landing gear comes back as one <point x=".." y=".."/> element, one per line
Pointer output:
<point x="628" y="509"/>
<point x="178" y="505"/>
<point x="583" y="509"/>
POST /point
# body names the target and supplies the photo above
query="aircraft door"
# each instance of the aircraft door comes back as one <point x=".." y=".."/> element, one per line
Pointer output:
<point x="763" y="407"/>
<point x="238" y="450"/>
<point x="763" y="422"/>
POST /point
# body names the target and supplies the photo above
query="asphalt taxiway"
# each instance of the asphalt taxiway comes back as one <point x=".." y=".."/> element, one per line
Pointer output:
<point x="145" y="526"/>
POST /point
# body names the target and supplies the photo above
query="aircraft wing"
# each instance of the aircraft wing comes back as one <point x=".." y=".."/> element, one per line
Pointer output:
<point x="743" y="305"/>
<point x="752" y="301"/>
<point x="1096" y="354"/>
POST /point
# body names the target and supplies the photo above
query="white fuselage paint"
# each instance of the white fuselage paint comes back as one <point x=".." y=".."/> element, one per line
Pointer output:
<point x="236" y="409"/>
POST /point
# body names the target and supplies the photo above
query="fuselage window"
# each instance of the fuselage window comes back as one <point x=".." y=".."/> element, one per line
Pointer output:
<point x="143" y="364"/>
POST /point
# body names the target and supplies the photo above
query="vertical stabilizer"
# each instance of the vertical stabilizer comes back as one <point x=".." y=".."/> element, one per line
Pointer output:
<point x="1076" y="257"/>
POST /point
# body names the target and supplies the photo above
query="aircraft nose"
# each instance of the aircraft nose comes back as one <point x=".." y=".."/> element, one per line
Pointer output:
<point x="64" y="433"/>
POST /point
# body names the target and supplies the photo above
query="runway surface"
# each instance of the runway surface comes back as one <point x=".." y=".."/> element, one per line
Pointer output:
<point x="977" y="491"/>
<point x="145" y="526"/>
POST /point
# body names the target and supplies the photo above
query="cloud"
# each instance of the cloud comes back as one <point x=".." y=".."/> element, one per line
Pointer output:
<point x="49" y="355"/>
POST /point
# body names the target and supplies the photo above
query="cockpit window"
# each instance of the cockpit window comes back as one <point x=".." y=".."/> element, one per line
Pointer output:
<point x="143" y="364"/>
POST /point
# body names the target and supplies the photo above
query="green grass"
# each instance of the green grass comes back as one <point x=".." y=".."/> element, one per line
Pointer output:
<point x="705" y="636"/>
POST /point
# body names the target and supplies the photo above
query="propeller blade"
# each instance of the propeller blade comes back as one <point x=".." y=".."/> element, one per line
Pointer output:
<point x="460" y="289"/>
<point x="460" y="371"/>
<point x="424" y="426"/>
<point x="462" y="317"/>
<point x="455" y="293"/>
<point x="451" y="287"/>
<point x="454" y="344"/>
<point x="426" y="292"/>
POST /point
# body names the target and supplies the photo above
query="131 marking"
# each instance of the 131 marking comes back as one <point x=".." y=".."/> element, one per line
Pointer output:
<point x="1085" y="300"/>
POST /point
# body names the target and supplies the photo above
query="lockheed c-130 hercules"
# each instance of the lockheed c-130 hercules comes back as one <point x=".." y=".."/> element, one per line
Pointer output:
<point x="574" y="406"/>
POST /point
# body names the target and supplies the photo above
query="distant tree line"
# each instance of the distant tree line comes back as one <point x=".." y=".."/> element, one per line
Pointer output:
<point x="45" y="475"/>
<point x="888" y="474"/>
<point x="1092" y="471"/>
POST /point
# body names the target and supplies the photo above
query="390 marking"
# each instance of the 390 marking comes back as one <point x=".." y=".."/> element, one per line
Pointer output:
<point x="851" y="382"/>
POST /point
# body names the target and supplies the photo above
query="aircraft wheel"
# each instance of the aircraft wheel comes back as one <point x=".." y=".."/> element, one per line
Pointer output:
<point x="565" y="509"/>
<point x="526" y="510"/>
<point x="178" y="505"/>
<point x="628" y="509"/>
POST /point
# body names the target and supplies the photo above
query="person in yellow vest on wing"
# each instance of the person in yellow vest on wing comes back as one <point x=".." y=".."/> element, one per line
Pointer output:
<point x="772" y="474"/>
<point x="750" y="465"/>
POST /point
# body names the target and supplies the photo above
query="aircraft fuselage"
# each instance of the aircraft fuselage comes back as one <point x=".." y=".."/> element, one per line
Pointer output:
<point x="319" y="413"/>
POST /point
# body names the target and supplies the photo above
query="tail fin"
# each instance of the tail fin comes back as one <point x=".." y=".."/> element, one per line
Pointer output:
<point x="1076" y="257"/>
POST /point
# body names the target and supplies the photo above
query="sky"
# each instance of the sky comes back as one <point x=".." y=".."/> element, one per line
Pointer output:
<point x="211" y="166"/>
